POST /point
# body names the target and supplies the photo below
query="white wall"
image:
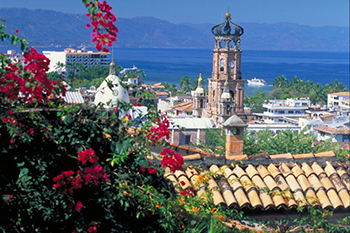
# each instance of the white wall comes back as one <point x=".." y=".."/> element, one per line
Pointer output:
<point x="55" y="57"/>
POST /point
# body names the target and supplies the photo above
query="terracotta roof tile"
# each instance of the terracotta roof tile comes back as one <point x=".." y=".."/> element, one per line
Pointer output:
<point x="185" y="106"/>
<point x="273" y="170"/>
<point x="307" y="169"/>
<point x="346" y="93"/>
<point x="282" y="156"/>
<point x="331" y="130"/>
<point x="192" y="157"/>
<point x="227" y="193"/>
<point x="271" y="186"/>
<point x="239" y="172"/>
<point x="303" y="156"/>
<point x="214" y="188"/>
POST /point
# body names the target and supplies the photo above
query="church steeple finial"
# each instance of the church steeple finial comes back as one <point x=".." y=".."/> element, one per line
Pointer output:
<point x="228" y="14"/>
<point x="199" y="89"/>
<point x="112" y="68"/>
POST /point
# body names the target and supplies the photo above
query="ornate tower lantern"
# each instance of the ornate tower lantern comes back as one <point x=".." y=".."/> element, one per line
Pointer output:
<point x="226" y="68"/>
<point x="227" y="105"/>
<point x="199" y="98"/>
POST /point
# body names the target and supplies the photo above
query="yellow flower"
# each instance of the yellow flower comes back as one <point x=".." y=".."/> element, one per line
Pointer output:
<point x="220" y="217"/>
<point x="63" y="117"/>
<point x="106" y="135"/>
<point x="195" y="209"/>
<point x="181" y="200"/>
<point x="126" y="118"/>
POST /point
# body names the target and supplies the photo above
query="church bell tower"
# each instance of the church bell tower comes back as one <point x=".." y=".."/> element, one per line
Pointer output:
<point x="226" y="70"/>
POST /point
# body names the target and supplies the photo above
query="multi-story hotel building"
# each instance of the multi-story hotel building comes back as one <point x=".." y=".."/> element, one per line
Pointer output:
<point x="278" y="110"/>
<point x="73" y="56"/>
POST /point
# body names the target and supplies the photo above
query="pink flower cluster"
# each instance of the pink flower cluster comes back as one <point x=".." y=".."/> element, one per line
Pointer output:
<point x="29" y="84"/>
<point x="172" y="160"/>
<point x="95" y="173"/>
<point x="160" y="131"/>
<point x="104" y="31"/>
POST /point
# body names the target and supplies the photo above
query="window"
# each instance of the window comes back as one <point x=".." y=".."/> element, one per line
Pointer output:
<point x="280" y="112"/>
<point x="290" y="112"/>
<point x="228" y="110"/>
<point x="187" y="139"/>
<point x="201" y="103"/>
<point x="346" y="137"/>
<point x="222" y="63"/>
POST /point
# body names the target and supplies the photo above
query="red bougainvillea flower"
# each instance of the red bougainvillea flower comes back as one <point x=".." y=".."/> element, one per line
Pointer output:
<point x="171" y="159"/>
<point x="92" y="229"/>
<point x="29" y="84"/>
<point x="102" y="22"/>
<point x="17" y="31"/>
<point x="160" y="130"/>
<point x="79" y="205"/>
<point x="151" y="170"/>
<point x="87" y="155"/>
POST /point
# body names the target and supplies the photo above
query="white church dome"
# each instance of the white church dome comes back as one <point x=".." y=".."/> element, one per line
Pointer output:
<point x="110" y="92"/>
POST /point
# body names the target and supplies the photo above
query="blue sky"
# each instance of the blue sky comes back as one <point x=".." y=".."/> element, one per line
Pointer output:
<point x="308" y="12"/>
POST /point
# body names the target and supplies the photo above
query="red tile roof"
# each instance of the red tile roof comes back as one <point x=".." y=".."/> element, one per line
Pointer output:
<point x="272" y="186"/>
<point x="330" y="130"/>
<point x="341" y="93"/>
<point x="185" y="106"/>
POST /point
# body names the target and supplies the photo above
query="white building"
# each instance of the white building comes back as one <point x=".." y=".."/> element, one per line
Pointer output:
<point x="338" y="133"/>
<point x="110" y="92"/>
<point x="277" y="111"/>
<point x="334" y="99"/>
<point x="275" y="128"/>
<point x="72" y="56"/>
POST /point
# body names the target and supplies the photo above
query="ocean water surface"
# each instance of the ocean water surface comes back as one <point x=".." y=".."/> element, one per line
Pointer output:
<point x="170" y="65"/>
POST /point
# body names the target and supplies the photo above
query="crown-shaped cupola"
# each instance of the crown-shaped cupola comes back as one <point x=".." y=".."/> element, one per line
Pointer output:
<point x="227" y="31"/>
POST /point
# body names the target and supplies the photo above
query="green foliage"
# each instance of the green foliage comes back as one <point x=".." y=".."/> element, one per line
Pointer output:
<point x="256" y="101"/>
<point x="93" y="72"/>
<point x="265" y="141"/>
<point x="215" y="141"/>
<point x="54" y="76"/>
<point x="185" y="84"/>
<point x="286" y="141"/>
<point x="295" y="88"/>
<point x="171" y="87"/>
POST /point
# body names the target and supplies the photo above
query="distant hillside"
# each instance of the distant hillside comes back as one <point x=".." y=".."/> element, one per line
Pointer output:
<point x="50" y="28"/>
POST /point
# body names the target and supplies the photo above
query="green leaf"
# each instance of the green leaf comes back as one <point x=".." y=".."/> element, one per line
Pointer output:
<point x="20" y="164"/>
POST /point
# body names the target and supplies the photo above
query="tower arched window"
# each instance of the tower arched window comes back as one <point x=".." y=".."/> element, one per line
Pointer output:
<point x="201" y="103"/>
<point x="228" y="110"/>
<point x="222" y="64"/>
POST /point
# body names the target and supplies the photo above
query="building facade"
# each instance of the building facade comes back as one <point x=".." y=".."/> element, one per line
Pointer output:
<point x="73" y="56"/>
<point x="277" y="110"/>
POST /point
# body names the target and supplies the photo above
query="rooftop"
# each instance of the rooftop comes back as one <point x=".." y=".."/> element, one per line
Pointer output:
<point x="185" y="106"/>
<point x="343" y="93"/>
<point x="331" y="130"/>
<point x="272" y="185"/>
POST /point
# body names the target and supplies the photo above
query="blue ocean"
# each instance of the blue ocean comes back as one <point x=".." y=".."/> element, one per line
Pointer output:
<point x="170" y="65"/>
